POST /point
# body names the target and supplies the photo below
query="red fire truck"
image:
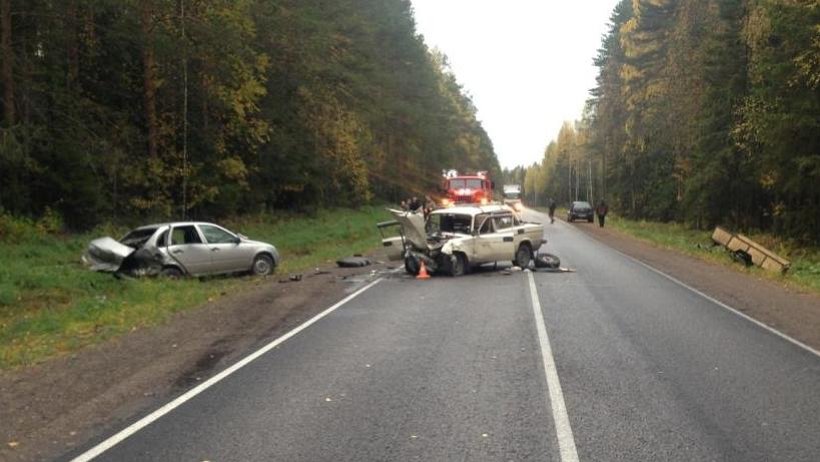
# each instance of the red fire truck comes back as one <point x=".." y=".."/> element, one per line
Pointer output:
<point x="474" y="188"/>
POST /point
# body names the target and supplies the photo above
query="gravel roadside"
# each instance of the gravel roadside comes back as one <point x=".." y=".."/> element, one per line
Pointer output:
<point x="792" y="312"/>
<point x="49" y="408"/>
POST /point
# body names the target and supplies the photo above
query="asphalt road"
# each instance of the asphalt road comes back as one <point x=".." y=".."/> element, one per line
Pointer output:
<point x="456" y="369"/>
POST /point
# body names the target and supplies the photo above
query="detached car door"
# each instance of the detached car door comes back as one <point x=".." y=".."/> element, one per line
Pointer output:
<point x="228" y="253"/>
<point x="188" y="249"/>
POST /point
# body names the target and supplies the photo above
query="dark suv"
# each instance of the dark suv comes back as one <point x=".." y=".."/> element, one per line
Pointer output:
<point x="580" y="209"/>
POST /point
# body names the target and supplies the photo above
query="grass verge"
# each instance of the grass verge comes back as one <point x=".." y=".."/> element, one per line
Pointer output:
<point x="804" y="273"/>
<point x="51" y="305"/>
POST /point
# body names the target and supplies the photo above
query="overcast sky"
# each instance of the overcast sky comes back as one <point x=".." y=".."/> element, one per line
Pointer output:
<point x="526" y="63"/>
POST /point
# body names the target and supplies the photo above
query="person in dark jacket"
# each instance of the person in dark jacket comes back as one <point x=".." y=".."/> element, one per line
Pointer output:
<point x="601" y="211"/>
<point x="415" y="204"/>
<point x="552" y="210"/>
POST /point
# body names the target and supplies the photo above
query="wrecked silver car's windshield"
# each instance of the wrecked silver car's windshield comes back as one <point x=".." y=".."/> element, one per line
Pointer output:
<point x="138" y="237"/>
<point x="449" y="223"/>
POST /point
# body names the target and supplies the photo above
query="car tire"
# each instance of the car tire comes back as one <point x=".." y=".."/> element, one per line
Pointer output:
<point x="171" y="272"/>
<point x="523" y="256"/>
<point x="262" y="265"/>
<point x="411" y="265"/>
<point x="459" y="265"/>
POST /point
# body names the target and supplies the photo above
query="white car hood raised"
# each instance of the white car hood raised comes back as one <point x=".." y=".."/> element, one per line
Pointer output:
<point x="413" y="226"/>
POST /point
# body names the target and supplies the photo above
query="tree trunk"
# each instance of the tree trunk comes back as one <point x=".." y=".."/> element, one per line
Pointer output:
<point x="149" y="77"/>
<point x="8" y="62"/>
<point x="73" y="51"/>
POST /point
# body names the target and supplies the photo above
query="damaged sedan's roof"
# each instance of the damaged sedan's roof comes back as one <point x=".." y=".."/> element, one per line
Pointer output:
<point x="473" y="209"/>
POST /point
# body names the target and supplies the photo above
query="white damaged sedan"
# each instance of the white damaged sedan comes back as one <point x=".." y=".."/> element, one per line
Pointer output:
<point x="454" y="239"/>
<point x="181" y="248"/>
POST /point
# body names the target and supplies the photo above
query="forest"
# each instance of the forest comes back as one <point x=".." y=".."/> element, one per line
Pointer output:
<point x="117" y="111"/>
<point x="705" y="112"/>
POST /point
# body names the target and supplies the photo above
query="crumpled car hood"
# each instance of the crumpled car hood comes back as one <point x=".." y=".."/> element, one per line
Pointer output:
<point x="413" y="226"/>
<point x="106" y="254"/>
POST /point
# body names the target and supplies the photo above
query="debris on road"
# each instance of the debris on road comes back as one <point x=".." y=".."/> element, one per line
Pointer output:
<point x="547" y="260"/>
<point x="356" y="261"/>
<point x="291" y="278"/>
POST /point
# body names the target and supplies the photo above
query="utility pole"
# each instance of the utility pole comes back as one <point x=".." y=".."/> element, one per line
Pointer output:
<point x="184" y="113"/>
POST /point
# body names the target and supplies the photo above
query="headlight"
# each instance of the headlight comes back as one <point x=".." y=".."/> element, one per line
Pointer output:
<point x="445" y="202"/>
<point x="483" y="201"/>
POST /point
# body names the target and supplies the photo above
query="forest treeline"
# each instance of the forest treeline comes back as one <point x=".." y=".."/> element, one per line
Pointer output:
<point x="121" y="110"/>
<point x="705" y="112"/>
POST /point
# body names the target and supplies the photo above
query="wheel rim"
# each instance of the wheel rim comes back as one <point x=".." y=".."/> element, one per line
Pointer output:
<point x="458" y="266"/>
<point x="261" y="266"/>
<point x="523" y="257"/>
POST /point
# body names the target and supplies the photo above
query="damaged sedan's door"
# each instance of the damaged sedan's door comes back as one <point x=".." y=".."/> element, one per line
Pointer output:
<point x="187" y="248"/>
<point x="227" y="252"/>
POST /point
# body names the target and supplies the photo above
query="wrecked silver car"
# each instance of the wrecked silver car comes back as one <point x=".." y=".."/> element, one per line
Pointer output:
<point x="455" y="239"/>
<point x="182" y="248"/>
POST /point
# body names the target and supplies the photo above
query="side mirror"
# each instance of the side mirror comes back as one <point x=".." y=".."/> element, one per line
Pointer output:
<point x="237" y="240"/>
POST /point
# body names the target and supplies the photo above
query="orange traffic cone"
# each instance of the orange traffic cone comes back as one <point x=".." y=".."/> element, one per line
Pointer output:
<point x="423" y="272"/>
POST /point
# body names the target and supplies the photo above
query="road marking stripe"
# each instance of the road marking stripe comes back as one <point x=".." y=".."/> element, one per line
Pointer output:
<point x="717" y="302"/>
<point x="150" y="418"/>
<point x="723" y="305"/>
<point x="563" y="430"/>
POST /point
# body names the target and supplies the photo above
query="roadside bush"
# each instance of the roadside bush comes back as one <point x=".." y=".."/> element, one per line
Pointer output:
<point x="15" y="230"/>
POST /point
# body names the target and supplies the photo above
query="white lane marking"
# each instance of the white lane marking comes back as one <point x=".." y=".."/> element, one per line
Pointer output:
<point x="566" y="442"/>
<point x="723" y="305"/>
<point x="150" y="418"/>
<point x="717" y="302"/>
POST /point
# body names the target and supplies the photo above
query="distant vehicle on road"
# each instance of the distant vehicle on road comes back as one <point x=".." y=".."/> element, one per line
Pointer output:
<point x="454" y="239"/>
<point x="580" y="209"/>
<point x="181" y="248"/>
<point x="512" y="196"/>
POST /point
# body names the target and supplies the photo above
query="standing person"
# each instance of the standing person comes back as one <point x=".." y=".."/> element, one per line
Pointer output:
<point x="552" y="210"/>
<point x="601" y="211"/>
<point x="415" y="204"/>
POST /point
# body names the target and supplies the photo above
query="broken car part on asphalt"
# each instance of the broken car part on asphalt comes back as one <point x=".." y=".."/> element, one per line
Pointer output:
<point x="181" y="248"/>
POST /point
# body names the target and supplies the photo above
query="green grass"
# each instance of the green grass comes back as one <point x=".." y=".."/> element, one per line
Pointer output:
<point x="51" y="305"/>
<point x="805" y="261"/>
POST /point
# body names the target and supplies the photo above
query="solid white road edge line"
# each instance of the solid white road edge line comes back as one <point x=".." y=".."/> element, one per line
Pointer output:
<point x="563" y="430"/>
<point x="723" y="305"/>
<point x="147" y="420"/>
<point x="717" y="302"/>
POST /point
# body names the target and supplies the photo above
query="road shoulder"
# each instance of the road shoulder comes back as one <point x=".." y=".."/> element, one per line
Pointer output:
<point x="792" y="312"/>
<point x="51" y="407"/>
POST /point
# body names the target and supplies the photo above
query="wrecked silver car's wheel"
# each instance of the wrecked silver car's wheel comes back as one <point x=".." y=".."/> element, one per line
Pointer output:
<point x="523" y="256"/>
<point x="171" y="272"/>
<point x="458" y="265"/>
<point x="411" y="265"/>
<point x="262" y="265"/>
